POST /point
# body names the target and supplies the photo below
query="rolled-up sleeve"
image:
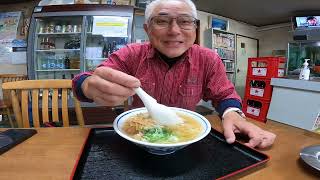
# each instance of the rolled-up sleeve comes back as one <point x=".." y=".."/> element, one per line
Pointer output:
<point x="76" y="86"/>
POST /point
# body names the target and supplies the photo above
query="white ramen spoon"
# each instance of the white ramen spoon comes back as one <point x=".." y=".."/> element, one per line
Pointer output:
<point x="159" y="112"/>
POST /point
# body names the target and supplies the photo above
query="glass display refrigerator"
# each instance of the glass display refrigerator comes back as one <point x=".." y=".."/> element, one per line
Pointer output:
<point x="298" y="52"/>
<point x="65" y="40"/>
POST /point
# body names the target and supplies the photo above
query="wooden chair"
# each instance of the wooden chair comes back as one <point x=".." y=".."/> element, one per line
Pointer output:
<point x="5" y="102"/>
<point x="42" y="92"/>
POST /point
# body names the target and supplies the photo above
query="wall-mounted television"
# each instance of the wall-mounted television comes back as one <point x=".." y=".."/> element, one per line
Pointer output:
<point x="306" y="21"/>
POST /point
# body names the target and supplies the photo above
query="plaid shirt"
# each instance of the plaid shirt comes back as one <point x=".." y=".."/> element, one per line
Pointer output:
<point x="199" y="74"/>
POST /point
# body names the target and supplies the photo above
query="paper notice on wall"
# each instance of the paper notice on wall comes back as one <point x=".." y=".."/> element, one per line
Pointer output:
<point x="110" y="26"/>
<point x="5" y="51"/>
<point x="19" y="57"/>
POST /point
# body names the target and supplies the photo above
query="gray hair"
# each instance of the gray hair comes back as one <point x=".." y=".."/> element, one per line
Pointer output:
<point x="150" y="7"/>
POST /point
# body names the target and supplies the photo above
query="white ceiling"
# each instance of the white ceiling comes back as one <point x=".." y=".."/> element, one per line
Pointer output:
<point x="259" y="12"/>
<point x="255" y="12"/>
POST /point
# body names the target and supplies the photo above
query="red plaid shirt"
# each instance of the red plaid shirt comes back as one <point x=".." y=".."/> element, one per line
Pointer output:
<point x="200" y="74"/>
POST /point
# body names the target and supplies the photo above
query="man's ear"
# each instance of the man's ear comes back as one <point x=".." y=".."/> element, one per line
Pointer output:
<point x="146" y="28"/>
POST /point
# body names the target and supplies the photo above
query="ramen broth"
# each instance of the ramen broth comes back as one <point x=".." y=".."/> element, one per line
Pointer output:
<point x="142" y="127"/>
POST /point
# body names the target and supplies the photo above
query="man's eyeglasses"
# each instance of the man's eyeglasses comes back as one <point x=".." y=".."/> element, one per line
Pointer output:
<point x="184" y="22"/>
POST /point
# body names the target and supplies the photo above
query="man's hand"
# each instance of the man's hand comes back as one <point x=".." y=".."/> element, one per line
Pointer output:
<point x="109" y="87"/>
<point x="233" y="123"/>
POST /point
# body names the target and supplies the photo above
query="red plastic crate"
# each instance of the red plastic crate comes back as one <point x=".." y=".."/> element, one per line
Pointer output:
<point x="258" y="92"/>
<point x="259" y="114"/>
<point x="266" y="67"/>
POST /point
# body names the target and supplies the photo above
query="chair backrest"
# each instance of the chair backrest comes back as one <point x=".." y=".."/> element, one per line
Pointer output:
<point x="10" y="78"/>
<point x="42" y="92"/>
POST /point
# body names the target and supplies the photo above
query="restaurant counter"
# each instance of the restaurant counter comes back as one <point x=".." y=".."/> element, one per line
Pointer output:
<point x="295" y="102"/>
<point x="53" y="152"/>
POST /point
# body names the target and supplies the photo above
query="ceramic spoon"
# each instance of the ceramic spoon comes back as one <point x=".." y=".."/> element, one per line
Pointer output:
<point x="159" y="112"/>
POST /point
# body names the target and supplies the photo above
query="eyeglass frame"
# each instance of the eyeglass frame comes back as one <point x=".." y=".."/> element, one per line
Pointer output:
<point x="172" y="18"/>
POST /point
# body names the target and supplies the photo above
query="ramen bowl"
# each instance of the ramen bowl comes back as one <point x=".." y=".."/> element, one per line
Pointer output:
<point x="159" y="148"/>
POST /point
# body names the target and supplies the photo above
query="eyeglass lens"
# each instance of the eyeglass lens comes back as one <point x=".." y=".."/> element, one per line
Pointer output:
<point x="184" y="22"/>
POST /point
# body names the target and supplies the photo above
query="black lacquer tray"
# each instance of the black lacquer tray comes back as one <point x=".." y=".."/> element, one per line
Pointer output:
<point x="106" y="155"/>
<point x="12" y="137"/>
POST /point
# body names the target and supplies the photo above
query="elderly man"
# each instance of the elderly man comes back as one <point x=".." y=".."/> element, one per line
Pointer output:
<point x="171" y="69"/>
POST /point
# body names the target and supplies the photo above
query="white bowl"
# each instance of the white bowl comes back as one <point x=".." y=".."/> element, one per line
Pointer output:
<point x="157" y="148"/>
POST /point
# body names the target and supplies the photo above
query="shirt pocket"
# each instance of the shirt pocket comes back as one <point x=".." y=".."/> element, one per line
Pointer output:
<point x="148" y="87"/>
<point x="190" y="95"/>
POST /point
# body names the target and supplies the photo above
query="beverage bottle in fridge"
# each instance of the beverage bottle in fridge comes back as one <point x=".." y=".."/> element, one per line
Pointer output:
<point x="43" y="63"/>
<point x="105" y="51"/>
<point x="52" y="43"/>
<point x="114" y="46"/>
<point x="109" y="49"/>
<point x="67" y="62"/>
<point x="43" y="43"/>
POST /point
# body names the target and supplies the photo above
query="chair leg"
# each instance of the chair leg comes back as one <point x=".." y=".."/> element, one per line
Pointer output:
<point x="9" y="117"/>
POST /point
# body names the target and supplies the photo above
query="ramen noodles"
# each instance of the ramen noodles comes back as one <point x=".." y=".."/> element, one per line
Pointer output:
<point x="142" y="127"/>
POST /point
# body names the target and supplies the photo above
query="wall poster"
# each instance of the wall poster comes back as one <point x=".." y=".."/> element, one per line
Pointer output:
<point x="9" y="22"/>
<point x="219" y="24"/>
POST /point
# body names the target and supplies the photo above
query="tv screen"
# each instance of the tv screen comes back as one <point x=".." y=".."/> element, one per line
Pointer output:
<point x="307" y="21"/>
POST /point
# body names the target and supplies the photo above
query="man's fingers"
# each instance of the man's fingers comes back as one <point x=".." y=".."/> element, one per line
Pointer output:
<point x="228" y="132"/>
<point x="104" y="92"/>
<point x="267" y="140"/>
<point x="109" y="100"/>
<point x="110" y="88"/>
<point x="117" y="77"/>
<point x="254" y="142"/>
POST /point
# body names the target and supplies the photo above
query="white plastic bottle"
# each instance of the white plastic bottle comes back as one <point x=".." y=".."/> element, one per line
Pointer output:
<point x="305" y="71"/>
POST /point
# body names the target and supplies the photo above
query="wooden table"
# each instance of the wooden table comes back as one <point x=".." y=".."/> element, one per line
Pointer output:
<point x="49" y="154"/>
<point x="53" y="152"/>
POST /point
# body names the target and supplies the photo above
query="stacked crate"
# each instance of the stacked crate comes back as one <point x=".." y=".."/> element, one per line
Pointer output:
<point x="258" y="90"/>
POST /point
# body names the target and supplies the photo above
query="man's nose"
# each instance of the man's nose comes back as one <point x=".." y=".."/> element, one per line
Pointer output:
<point x="174" y="27"/>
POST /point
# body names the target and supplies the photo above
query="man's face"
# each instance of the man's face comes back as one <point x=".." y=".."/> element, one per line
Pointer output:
<point x="172" y="40"/>
<point x="312" y="22"/>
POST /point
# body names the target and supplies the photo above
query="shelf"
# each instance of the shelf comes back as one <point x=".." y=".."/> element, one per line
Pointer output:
<point x="55" y="50"/>
<point x="96" y="59"/>
<point x="227" y="60"/>
<point x="66" y="33"/>
<point x="221" y="31"/>
<point x="90" y="33"/>
<point x="220" y="47"/>
<point x="52" y="70"/>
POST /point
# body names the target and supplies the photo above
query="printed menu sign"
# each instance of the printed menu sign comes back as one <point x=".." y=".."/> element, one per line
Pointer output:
<point x="110" y="26"/>
<point x="9" y="24"/>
